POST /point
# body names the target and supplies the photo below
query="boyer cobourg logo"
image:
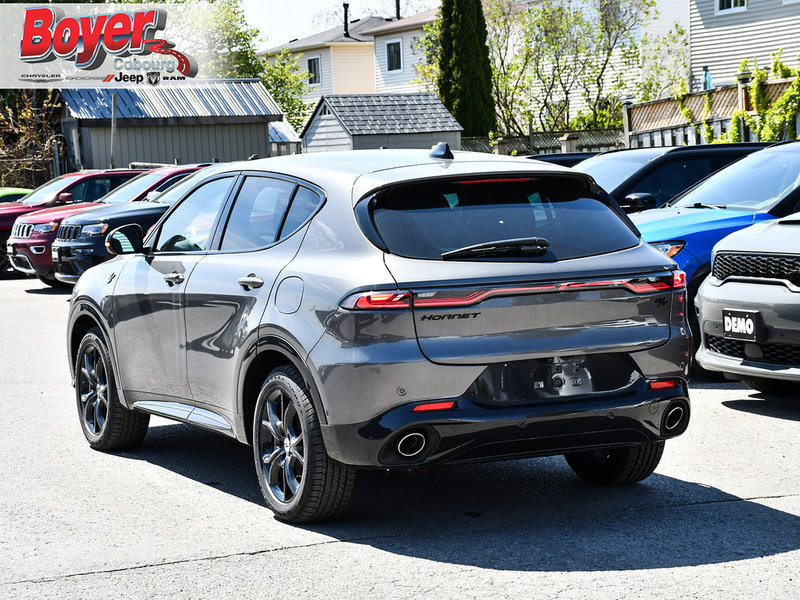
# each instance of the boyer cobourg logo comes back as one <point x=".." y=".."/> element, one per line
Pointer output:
<point x="88" y="40"/>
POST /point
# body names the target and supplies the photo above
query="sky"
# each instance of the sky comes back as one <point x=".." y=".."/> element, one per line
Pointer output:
<point x="280" y="21"/>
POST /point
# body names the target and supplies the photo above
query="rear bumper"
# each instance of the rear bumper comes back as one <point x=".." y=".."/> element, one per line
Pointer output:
<point x="473" y="432"/>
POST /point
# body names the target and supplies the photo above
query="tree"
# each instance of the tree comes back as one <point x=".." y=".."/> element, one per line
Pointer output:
<point x="287" y="84"/>
<point x="465" y="74"/>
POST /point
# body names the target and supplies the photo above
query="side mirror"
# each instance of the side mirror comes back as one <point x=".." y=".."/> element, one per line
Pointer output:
<point x="638" y="201"/>
<point x="127" y="239"/>
<point x="65" y="198"/>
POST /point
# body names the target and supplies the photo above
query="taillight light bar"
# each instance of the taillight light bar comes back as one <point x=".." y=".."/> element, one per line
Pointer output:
<point x="403" y="299"/>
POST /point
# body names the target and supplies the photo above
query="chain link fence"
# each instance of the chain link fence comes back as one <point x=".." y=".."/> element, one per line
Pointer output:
<point x="549" y="142"/>
<point x="25" y="172"/>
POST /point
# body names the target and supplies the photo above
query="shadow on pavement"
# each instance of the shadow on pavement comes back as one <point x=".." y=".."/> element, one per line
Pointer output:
<point x="50" y="291"/>
<point x="526" y="515"/>
<point x="780" y="407"/>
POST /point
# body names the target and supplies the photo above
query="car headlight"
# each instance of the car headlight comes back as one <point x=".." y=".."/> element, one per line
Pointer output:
<point x="669" y="248"/>
<point x="45" y="228"/>
<point x="96" y="229"/>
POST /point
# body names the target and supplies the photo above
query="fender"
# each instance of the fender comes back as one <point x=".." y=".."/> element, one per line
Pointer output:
<point x="86" y="306"/>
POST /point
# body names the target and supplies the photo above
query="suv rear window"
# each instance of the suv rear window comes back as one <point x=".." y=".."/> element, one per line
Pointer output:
<point x="428" y="219"/>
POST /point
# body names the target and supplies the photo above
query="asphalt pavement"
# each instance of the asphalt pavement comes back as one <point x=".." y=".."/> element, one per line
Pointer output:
<point x="182" y="516"/>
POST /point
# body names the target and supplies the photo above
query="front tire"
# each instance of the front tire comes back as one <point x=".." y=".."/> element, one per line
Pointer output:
<point x="106" y="423"/>
<point x="773" y="387"/>
<point x="618" y="466"/>
<point x="299" y="481"/>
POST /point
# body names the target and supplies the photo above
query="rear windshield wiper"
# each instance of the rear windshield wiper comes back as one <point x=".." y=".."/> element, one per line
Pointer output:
<point x="701" y="205"/>
<point x="533" y="246"/>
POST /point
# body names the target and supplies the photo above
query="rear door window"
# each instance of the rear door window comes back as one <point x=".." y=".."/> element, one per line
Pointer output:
<point x="665" y="181"/>
<point x="426" y="220"/>
<point x="257" y="214"/>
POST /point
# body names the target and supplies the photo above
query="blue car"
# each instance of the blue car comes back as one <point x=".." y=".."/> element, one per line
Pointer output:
<point x="760" y="187"/>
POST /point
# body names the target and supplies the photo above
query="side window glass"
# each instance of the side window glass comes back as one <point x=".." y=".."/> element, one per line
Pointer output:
<point x="303" y="206"/>
<point x="96" y="188"/>
<point x="78" y="191"/>
<point x="169" y="182"/>
<point x="257" y="213"/>
<point x="189" y="226"/>
<point x="671" y="179"/>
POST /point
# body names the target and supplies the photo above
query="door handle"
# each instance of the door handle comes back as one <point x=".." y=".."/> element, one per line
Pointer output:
<point x="250" y="282"/>
<point x="173" y="278"/>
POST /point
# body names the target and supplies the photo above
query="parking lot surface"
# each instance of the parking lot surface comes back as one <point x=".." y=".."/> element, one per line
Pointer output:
<point x="182" y="516"/>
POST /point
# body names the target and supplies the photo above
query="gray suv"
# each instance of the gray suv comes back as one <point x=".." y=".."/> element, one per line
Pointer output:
<point x="387" y="309"/>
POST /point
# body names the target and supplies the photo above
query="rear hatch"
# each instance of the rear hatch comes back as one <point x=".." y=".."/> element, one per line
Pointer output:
<point x="514" y="268"/>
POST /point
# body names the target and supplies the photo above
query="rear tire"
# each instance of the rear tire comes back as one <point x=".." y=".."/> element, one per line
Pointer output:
<point x="773" y="387"/>
<point x="106" y="423"/>
<point x="299" y="481"/>
<point x="618" y="466"/>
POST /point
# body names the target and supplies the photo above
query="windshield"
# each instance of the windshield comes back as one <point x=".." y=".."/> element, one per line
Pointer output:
<point x="755" y="183"/>
<point x="176" y="191"/>
<point x="610" y="170"/>
<point x="47" y="191"/>
<point x="132" y="188"/>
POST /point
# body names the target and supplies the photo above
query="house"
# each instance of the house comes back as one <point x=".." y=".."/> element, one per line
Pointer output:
<point x="339" y="60"/>
<point x="360" y="121"/>
<point x="396" y="57"/>
<point x="187" y="122"/>
<point x="723" y="32"/>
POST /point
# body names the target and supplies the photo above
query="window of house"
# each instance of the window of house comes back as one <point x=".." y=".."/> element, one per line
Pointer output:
<point x="313" y="71"/>
<point x="394" y="56"/>
<point x="731" y="5"/>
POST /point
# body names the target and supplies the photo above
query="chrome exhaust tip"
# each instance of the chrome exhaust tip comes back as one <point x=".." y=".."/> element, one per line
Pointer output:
<point x="411" y="444"/>
<point x="675" y="419"/>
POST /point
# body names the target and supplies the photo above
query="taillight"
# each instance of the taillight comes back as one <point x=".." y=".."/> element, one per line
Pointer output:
<point x="678" y="280"/>
<point x="378" y="301"/>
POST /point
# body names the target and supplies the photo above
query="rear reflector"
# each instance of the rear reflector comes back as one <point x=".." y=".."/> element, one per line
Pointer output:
<point x="662" y="385"/>
<point x="434" y="406"/>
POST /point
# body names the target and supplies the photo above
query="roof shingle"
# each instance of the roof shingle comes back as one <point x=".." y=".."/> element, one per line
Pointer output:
<point x="375" y="114"/>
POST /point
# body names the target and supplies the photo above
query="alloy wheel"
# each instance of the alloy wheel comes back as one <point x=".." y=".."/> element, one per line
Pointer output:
<point x="93" y="390"/>
<point x="281" y="446"/>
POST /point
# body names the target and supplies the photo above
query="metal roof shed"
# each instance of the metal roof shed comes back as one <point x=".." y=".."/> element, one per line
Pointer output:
<point x="187" y="122"/>
<point x="357" y="122"/>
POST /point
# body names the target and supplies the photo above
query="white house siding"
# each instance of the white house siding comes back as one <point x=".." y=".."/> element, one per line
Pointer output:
<point x="720" y="41"/>
<point x="398" y="81"/>
<point x="407" y="140"/>
<point x="326" y="85"/>
<point x="325" y="134"/>
<point x="164" y="144"/>
<point x="354" y="65"/>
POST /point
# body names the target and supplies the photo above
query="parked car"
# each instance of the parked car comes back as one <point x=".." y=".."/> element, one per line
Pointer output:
<point x="80" y="239"/>
<point x="749" y="307"/>
<point x="30" y="249"/>
<point x="372" y="309"/>
<point x="644" y="178"/>
<point x="565" y="159"/>
<point x="72" y="188"/>
<point x="12" y="194"/>
<point x="760" y="187"/>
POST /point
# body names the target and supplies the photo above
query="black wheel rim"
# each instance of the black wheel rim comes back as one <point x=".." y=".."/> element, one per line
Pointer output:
<point x="93" y="390"/>
<point x="281" y="446"/>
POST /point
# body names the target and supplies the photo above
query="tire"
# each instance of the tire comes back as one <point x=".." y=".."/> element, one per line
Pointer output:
<point x="773" y="387"/>
<point x="618" y="466"/>
<point x="106" y="423"/>
<point x="299" y="481"/>
<point x="54" y="283"/>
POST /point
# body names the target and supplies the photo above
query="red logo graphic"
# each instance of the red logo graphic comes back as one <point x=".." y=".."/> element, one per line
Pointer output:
<point x="87" y="40"/>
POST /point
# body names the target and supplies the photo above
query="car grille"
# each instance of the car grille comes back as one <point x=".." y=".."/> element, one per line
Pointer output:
<point x="764" y="266"/>
<point x="775" y="354"/>
<point x="22" y="230"/>
<point x="67" y="233"/>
